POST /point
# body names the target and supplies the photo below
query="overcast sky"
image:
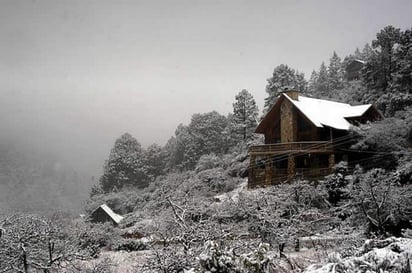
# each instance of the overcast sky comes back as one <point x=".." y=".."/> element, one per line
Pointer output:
<point x="75" y="75"/>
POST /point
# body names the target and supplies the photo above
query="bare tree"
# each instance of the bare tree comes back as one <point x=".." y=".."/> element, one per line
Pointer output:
<point x="33" y="243"/>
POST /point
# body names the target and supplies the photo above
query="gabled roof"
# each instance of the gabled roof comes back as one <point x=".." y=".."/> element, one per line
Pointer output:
<point x="116" y="217"/>
<point x="358" y="61"/>
<point x="322" y="113"/>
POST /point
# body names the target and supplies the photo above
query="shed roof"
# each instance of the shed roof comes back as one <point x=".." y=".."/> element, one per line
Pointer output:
<point x="116" y="217"/>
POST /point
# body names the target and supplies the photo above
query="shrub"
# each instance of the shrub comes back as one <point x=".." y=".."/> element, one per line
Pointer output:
<point x="93" y="237"/>
<point x="217" y="258"/>
<point x="335" y="185"/>
<point x="129" y="245"/>
<point x="208" y="161"/>
<point x="217" y="180"/>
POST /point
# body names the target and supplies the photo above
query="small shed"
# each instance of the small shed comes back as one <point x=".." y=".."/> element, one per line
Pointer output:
<point x="105" y="214"/>
<point x="353" y="69"/>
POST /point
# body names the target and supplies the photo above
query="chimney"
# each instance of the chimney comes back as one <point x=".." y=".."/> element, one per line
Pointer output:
<point x="292" y="93"/>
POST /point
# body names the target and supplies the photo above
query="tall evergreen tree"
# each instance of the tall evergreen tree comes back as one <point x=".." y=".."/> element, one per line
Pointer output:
<point x="380" y="63"/>
<point x="207" y="130"/>
<point x="205" y="134"/>
<point x="357" y="54"/>
<point x="124" y="166"/>
<point x="245" y="113"/>
<point x="322" y="83"/>
<point x="335" y="73"/>
<point x="301" y="83"/>
<point x="283" y="76"/>
<point x="313" y="82"/>
<point x="366" y="52"/>
<point x="154" y="160"/>
<point x="402" y="70"/>
<point x="176" y="148"/>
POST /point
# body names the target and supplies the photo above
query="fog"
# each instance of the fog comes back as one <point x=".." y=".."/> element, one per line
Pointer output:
<point x="75" y="75"/>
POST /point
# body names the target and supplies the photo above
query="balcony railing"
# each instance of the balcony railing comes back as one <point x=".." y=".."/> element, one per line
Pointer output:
<point x="304" y="146"/>
<point x="278" y="176"/>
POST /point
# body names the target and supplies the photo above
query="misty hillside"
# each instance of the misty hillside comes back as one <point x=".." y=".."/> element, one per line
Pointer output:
<point x="39" y="183"/>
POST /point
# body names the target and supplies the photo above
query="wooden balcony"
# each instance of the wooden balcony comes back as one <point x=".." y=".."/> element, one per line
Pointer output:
<point x="292" y="147"/>
<point x="259" y="177"/>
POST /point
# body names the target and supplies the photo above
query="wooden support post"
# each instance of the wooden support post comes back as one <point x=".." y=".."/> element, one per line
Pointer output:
<point x="251" y="171"/>
<point x="268" y="171"/>
<point x="291" y="167"/>
<point x="331" y="161"/>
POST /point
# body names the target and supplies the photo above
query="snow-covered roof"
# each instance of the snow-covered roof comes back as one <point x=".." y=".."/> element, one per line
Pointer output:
<point x="116" y="217"/>
<point x="328" y="113"/>
<point x="359" y="61"/>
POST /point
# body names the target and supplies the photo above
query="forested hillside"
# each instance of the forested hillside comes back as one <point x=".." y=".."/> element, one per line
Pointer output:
<point x="187" y="207"/>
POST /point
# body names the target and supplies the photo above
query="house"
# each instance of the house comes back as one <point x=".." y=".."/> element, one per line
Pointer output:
<point x="353" y="69"/>
<point x="304" y="137"/>
<point x="105" y="214"/>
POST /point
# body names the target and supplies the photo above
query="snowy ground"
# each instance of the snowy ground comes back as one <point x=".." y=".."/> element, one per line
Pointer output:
<point x="232" y="195"/>
<point x="118" y="261"/>
<point x="392" y="255"/>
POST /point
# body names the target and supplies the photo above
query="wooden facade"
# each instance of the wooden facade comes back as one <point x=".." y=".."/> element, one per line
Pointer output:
<point x="295" y="146"/>
<point x="353" y="70"/>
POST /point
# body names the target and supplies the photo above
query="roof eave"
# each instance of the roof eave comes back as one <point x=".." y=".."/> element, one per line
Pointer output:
<point x="260" y="129"/>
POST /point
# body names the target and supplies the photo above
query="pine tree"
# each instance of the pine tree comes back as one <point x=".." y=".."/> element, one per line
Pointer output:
<point x="313" y="81"/>
<point x="322" y="83"/>
<point x="366" y="52"/>
<point x="283" y="77"/>
<point x="206" y="133"/>
<point x="125" y="165"/>
<point x="301" y="83"/>
<point x="380" y="63"/>
<point x="335" y="73"/>
<point x="180" y="153"/>
<point x="402" y="70"/>
<point x="357" y="54"/>
<point x="154" y="160"/>
<point x="245" y="113"/>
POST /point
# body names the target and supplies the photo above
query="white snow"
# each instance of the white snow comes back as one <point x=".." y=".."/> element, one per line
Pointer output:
<point x="393" y="256"/>
<point x="328" y="113"/>
<point x="232" y="195"/>
<point x="360" y="61"/>
<point x="116" y="217"/>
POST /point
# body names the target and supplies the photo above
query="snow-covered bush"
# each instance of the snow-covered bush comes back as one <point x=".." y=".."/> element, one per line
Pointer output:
<point x="217" y="180"/>
<point x="208" y="161"/>
<point x="217" y="258"/>
<point x="335" y="185"/>
<point x="129" y="245"/>
<point x="392" y="255"/>
<point x="404" y="173"/>
<point x="236" y="165"/>
<point x="93" y="237"/>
